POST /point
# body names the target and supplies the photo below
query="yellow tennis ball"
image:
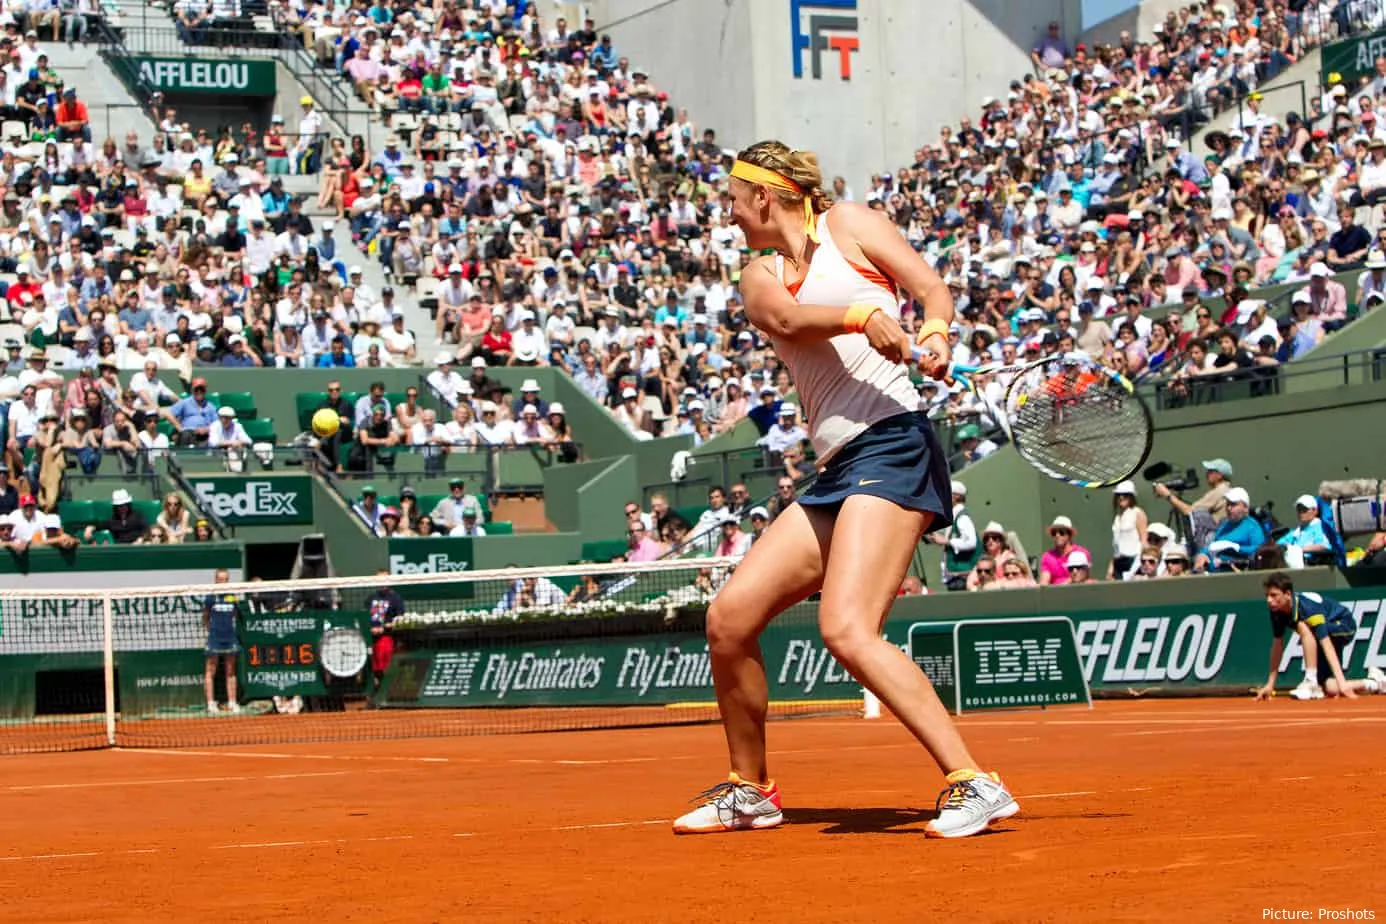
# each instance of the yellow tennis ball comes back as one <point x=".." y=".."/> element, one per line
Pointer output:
<point x="1020" y="401"/>
<point x="326" y="422"/>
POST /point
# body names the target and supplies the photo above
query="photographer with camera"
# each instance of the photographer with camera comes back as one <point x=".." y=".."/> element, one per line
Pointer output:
<point x="1210" y="509"/>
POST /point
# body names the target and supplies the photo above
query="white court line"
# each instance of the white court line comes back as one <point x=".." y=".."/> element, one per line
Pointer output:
<point x="1287" y="724"/>
<point x="612" y="824"/>
<point x="1059" y="795"/>
<point x="175" y="781"/>
<point x="277" y="756"/>
<point x="269" y="844"/>
<point x="49" y="856"/>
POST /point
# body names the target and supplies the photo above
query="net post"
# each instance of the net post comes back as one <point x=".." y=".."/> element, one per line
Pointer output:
<point x="871" y="706"/>
<point x="108" y="666"/>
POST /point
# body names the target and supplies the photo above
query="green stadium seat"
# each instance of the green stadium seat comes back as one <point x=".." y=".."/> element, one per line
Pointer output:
<point x="260" y="430"/>
<point x="351" y="398"/>
<point x="500" y="528"/>
<point x="307" y="402"/>
<point x="100" y="511"/>
<point x="166" y="428"/>
<point x="102" y="537"/>
<point x="395" y="398"/>
<point x="75" y="514"/>
<point x="149" y="508"/>
<point x="242" y="402"/>
<point x="604" y="549"/>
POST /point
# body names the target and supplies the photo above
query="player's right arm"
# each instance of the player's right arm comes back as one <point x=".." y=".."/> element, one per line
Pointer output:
<point x="1276" y="652"/>
<point x="773" y="310"/>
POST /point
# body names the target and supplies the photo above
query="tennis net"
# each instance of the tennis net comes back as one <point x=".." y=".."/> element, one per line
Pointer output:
<point x="485" y="652"/>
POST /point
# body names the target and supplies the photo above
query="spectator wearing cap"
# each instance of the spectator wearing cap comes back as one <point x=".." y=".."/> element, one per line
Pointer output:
<point x="375" y="440"/>
<point x="54" y="536"/>
<point x="1211" y="507"/>
<point x="228" y="435"/>
<point x="732" y="542"/>
<point x="84" y="441"/>
<point x="444" y="381"/>
<point x="8" y="542"/>
<point x="27" y="520"/>
<point x="1054" y="567"/>
<point x="971" y="445"/>
<point x="193" y="416"/>
<point x="784" y="434"/>
<point x="530" y="393"/>
<point x="493" y="429"/>
<point x="1129" y="528"/>
<point x="638" y="421"/>
<point x="368" y="508"/>
<point x="470" y="524"/>
<point x="1327" y="297"/>
<point x="1239" y="534"/>
<point x="529" y="427"/>
<point x="962" y="546"/>
<point x="125" y="524"/>
<point x="73" y="122"/>
<point x="1309" y="535"/>
<point x="1079" y="567"/>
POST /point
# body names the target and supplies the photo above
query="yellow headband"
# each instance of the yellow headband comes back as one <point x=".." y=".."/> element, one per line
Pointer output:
<point x="763" y="177"/>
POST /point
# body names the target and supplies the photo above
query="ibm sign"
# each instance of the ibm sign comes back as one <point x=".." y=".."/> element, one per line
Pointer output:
<point x="823" y="28"/>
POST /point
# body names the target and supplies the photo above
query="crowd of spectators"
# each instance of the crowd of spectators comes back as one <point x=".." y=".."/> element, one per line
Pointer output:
<point x="1220" y="530"/>
<point x="561" y="210"/>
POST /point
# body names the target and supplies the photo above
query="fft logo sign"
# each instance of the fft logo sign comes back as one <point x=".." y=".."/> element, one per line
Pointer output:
<point x="831" y="28"/>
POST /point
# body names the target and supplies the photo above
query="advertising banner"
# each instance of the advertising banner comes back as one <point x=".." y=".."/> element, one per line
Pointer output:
<point x="207" y="75"/>
<point x="262" y="500"/>
<point x="1218" y="648"/>
<point x="1352" y="58"/>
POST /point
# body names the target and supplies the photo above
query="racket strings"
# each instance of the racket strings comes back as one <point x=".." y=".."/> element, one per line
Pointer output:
<point x="1095" y="434"/>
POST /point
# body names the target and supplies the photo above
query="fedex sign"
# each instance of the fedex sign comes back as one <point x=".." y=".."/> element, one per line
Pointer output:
<point x="823" y="27"/>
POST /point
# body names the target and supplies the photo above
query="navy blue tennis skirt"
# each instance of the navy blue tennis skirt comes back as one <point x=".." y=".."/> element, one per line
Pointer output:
<point x="898" y="459"/>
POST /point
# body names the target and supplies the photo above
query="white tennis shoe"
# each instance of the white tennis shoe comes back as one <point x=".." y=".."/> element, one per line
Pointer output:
<point x="733" y="806"/>
<point x="1307" y="689"/>
<point x="1378" y="676"/>
<point x="972" y="802"/>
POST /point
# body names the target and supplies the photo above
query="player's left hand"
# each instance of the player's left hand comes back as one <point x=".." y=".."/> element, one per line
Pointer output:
<point x="938" y="356"/>
<point x="887" y="337"/>
<point x="1346" y="692"/>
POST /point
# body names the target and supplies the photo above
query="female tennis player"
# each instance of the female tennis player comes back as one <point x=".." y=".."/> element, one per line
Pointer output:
<point x="828" y="300"/>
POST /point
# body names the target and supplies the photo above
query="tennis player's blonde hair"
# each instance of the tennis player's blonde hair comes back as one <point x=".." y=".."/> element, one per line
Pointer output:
<point x="801" y="167"/>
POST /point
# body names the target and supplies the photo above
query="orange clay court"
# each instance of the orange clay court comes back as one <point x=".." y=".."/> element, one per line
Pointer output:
<point x="1175" y="810"/>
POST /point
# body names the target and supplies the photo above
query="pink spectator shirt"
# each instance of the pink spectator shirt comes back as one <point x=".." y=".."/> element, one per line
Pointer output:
<point x="1054" y="563"/>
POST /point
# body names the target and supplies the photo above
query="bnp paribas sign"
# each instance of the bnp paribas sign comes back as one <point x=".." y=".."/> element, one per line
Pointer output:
<point x="269" y="500"/>
<point x="206" y="75"/>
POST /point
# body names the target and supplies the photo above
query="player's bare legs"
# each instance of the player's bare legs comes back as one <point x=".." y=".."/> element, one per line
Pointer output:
<point x="872" y="543"/>
<point x="784" y="567"/>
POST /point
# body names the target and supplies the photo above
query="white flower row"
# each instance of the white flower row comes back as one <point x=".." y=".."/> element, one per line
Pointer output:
<point x="688" y="596"/>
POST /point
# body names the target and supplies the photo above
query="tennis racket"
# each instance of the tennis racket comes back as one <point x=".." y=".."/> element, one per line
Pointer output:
<point x="1069" y="417"/>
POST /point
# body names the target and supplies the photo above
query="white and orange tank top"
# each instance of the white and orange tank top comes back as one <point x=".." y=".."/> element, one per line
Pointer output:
<point x="844" y="385"/>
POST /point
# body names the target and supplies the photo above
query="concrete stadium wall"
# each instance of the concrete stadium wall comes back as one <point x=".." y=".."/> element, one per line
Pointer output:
<point x="918" y="66"/>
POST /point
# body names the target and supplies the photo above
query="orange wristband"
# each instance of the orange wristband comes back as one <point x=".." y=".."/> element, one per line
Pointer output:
<point x="857" y="316"/>
<point x="931" y="327"/>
